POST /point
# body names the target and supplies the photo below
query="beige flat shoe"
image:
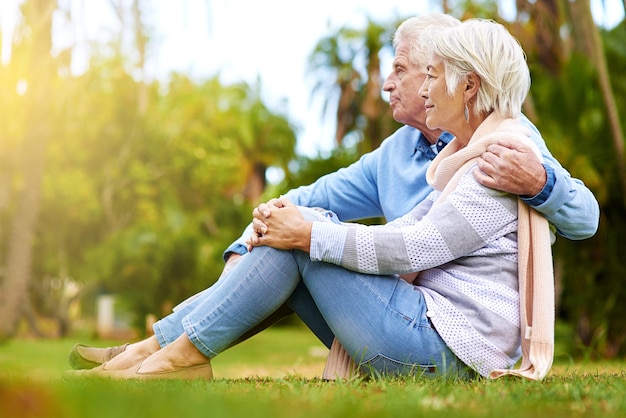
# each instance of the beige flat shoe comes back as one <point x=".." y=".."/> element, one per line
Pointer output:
<point x="199" y="372"/>
<point x="86" y="357"/>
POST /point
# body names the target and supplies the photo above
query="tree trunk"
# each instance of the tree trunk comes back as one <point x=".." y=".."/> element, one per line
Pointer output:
<point x="19" y="259"/>
<point x="5" y="185"/>
<point x="588" y="39"/>
<point x="14" y="290"/>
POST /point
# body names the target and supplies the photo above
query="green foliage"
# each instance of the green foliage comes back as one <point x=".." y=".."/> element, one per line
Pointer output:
<point x="145" y="183"/>
<point x="572" y="121"/>
<point x="305" y="170"/>
<point x="156" y="197"/>
<point x="347" y="67"/>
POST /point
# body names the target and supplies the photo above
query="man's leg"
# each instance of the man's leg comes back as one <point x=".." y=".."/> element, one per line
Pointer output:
<point x="86" y="357"/>
<point x="255" y="289"/>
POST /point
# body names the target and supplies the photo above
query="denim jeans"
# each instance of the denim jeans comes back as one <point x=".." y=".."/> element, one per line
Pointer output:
<point x="380" y="320"/>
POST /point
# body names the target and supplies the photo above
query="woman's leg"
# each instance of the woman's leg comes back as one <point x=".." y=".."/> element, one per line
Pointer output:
<point x="86" y="357"/>
<point x="182" y="354"/>
<point x="276" y="279"/>
<point x="299" y="302"/>
<point x="380" y="320"/>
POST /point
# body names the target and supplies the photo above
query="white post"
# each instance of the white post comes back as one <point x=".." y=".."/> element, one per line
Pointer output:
<point x="106" y="315"/>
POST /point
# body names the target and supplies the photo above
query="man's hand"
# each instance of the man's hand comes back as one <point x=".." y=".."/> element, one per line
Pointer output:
<point x="511" y="166"/>
<point x="279" y="224"/>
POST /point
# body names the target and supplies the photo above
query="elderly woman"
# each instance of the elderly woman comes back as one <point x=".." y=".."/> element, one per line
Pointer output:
<point x="435" y="292"/>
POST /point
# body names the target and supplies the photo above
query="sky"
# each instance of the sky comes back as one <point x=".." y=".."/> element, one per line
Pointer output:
<point x="271" y="39"/>
<point x="243" y="40"/>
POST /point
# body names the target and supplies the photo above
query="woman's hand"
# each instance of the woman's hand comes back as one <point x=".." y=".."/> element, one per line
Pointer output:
<point x="279" y="224"/>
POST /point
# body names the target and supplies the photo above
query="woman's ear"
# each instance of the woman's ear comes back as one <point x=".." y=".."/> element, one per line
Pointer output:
<point x="471" y="87"/>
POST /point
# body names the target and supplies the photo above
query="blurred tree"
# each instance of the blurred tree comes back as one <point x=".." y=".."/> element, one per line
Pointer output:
<point x="347" y="67"/>
<point x="574" y="105"/>
<point x="34" y="63"/>
<point x="591" y="269"/>
<point x="146" y="181"/>
<point x="589" y="43"/>
<point x="188" y="188"/>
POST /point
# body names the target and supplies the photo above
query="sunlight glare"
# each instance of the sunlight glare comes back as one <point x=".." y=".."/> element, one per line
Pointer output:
<point x="21" y="87"/>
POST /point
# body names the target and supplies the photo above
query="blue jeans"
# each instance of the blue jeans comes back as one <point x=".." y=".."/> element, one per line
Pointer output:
<point x="380" y="320"/>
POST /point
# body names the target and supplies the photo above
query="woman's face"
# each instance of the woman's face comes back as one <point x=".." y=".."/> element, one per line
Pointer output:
<point x="443" y="111"/>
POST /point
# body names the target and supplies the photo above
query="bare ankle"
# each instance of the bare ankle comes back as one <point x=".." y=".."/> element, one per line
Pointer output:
<point x="134" y="354"/>
<point x="148" y="346"/>
<point x="190" y="351"/>
<point x="179" y="354"/>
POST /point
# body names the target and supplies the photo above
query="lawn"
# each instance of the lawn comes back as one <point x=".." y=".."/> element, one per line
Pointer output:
<point x="276" y="374"/>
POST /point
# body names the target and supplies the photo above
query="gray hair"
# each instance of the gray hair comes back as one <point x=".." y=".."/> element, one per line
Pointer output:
<point x="487" y="49"/>
<point x="414" y="29"/>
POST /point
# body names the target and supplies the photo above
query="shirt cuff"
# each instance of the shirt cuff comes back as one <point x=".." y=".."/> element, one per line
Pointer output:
<point x="327" y="242"/>
<point x="234" y="248"/>
<point x="541" y="197"/>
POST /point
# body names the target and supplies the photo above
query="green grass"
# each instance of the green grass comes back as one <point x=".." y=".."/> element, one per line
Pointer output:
<point x="275" y="374"/>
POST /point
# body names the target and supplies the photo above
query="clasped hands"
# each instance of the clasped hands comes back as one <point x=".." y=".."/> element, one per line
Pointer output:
<point x="279" y="224"/>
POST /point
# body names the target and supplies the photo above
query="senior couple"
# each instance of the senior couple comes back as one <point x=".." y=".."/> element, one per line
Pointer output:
<point x="458" y="283"/>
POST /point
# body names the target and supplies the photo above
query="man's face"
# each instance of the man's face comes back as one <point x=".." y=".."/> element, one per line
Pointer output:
<point x="403" y="85"/>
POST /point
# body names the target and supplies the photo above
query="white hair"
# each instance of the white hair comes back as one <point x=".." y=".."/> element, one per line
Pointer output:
<point x="487" y="49"/>
<point x="414" y="30"/>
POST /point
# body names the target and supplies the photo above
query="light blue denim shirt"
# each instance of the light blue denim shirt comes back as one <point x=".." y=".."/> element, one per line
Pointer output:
<point x="391" y="180"/>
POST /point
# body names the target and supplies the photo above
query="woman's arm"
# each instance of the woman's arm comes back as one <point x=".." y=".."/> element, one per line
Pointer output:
<point x="470" y="218"/>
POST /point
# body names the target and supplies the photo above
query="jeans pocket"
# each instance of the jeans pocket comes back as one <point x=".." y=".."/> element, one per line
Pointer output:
<point x="386" y="366"/>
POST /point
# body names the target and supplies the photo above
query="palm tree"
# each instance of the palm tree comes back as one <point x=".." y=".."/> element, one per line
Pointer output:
<point x="262" y="139"/>
<point x="589" y="42"/>
<point x="347" y="67"/>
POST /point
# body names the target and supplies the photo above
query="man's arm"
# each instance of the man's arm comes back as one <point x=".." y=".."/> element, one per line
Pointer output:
<point x="566" y="202"/>
<point x="351" y="192"/>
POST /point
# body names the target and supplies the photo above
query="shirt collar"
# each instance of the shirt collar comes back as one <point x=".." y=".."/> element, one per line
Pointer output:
<point x="424" y="146"/>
